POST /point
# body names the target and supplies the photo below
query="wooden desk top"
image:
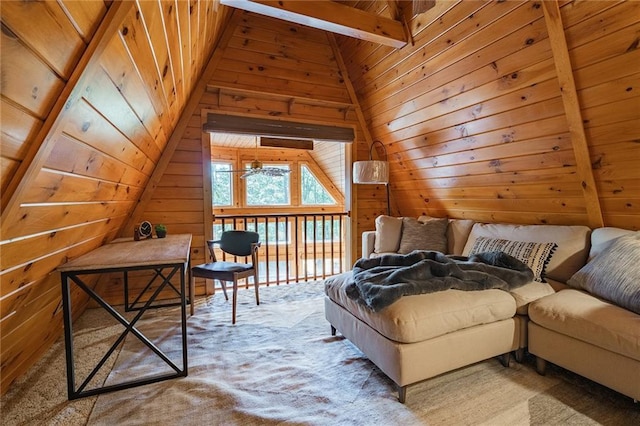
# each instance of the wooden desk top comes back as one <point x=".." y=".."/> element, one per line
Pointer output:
<point x="125" y="253"/>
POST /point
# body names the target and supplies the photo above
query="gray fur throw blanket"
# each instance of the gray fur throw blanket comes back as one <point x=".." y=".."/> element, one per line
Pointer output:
<point x="380" y="281"/>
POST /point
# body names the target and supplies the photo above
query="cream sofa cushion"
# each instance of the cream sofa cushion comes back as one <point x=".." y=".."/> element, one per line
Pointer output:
<point x="388" y="232"/>
<point x="592" y="320"/>
<point x="528" y="293"/>
<point x="570" y="255"/>
<point x="425" y="316"/>
<point x="457" y="235"/>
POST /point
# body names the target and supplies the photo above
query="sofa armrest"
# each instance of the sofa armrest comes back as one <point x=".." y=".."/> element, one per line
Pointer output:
<point x="368" y="243"/>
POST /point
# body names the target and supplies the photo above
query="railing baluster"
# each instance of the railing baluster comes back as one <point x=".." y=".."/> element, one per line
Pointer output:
<point x="342" y="218"/>
<point x="305" y="232"/>
<point x="297" y="251"/>
<point x="332" y="246"/>
<point x="266" y="238"/>
<point x="277" y="253"/>
<point x="324" y="246"/>
<point x="286" y="248"/>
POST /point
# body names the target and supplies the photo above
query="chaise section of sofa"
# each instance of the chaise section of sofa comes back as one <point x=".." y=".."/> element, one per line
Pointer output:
<point x="421" y="336"/>
<point x="587" y="334"/>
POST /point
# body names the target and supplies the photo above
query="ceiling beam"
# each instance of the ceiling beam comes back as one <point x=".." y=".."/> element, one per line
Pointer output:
<point x="330" y="16"/>
<point x="241" y="125"/>
<point x="573" y="112"/>
<point x="306" y="144"/>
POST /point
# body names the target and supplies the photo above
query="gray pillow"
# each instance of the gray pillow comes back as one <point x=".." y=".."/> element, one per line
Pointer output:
<point x="430" y="235"/>
<point x="614" y="274"/>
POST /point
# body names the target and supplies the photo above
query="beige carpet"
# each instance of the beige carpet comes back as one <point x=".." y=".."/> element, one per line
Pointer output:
<point x="279" y="364"/>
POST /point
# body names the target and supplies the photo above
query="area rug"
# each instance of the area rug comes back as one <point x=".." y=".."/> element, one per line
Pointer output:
<point x="279" y="364"/>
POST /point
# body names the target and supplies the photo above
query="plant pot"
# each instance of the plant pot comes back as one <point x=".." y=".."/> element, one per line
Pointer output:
<point x="161" y="234"/>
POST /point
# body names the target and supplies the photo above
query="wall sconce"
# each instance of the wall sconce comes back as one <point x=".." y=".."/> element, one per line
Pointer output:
<point x="373" y="171"/>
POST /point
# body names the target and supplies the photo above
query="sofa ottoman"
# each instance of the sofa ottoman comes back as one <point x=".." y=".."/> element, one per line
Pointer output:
<point x="422" y="336"/>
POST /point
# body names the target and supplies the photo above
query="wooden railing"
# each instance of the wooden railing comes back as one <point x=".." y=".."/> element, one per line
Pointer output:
<point x="295" y="247"/>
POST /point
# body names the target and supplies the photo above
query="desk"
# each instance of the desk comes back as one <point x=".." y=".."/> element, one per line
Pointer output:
<point x="124" y="255"/>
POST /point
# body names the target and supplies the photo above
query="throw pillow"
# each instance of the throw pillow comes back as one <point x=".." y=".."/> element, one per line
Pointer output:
<point x="614" y="274"/>
<point x="534" y="255"/>
<point x="388" y="231"/>
<point x="430" y="235"/>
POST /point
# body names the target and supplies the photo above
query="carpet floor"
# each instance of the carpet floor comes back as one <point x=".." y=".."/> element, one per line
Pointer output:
<point x="279" y="365"/>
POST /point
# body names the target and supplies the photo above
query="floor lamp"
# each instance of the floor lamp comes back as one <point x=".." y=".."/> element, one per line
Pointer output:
<point x="373" y="171"/>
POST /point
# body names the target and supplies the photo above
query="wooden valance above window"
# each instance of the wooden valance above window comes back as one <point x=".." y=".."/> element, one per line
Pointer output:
<point x="220" y="123"/>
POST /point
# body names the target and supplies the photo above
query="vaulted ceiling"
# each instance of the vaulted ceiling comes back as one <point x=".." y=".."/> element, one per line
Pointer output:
<point x="520" y="111"/>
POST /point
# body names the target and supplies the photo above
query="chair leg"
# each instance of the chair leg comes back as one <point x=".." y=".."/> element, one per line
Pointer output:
<point x="224" y="289"/>
<point x="255" y="284"/>
<point x="235" y="300"/>
<point x="192" y="294"/>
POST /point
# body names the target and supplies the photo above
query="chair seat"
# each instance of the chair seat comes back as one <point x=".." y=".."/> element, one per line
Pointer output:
<point x="222" y="267"/>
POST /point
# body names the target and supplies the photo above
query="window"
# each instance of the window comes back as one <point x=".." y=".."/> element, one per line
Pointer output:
<point x="263" y="190"/>
<point x="313" y="193"/>
<point x="222" y="184"/>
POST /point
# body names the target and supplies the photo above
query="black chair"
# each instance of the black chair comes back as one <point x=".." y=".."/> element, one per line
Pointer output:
<point x="236" y="243"/>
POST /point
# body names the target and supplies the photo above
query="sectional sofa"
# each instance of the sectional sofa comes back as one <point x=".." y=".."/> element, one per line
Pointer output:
<point x="423" y="335"/>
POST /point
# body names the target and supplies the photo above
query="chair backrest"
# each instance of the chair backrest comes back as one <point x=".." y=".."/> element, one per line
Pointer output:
<point x="238" y="243"/>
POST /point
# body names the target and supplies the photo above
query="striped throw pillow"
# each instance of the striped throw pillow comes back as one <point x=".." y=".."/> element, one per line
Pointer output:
<point x="534" y="255"/>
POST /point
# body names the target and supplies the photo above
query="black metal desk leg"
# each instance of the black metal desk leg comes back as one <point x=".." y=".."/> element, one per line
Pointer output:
<point x="183" y="309"/>
<point x="68" y="334"/>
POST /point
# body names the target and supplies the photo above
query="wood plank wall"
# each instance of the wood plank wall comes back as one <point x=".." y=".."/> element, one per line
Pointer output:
<point x="332" y="162"/>
<point x="82" y="146"/>
<point x="473" y="120"/>
<point x="266" y="68"/>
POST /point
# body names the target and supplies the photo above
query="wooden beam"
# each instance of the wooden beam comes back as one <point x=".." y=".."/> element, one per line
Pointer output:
<point x="305" y="144"/>
<point x="396" y="12"/>
<point x="44" y="141"/>
<point x="571" y="103"/>
<point x="245" y="125"/>
<point x="181" y="126"/>
<point x="355" y="234"/>
<point x="329" y="16"/>
<point x="228" y="89"/>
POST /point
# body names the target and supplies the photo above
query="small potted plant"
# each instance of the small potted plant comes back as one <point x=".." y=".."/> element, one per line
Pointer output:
<point x="161" y="230"/>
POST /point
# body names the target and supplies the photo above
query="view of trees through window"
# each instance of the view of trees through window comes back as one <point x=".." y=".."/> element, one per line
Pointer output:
<point x="312" y="191"/>
<point x="263" y="190"/>
<point x="222" y="184"/>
